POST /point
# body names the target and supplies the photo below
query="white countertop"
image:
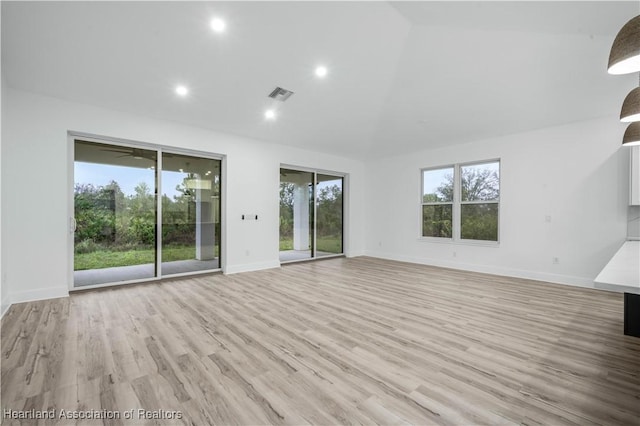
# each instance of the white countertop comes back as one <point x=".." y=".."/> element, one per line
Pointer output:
<point x="622" y="273"/>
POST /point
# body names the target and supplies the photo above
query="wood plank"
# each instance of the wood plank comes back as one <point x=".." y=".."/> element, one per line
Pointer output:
<point x="342" y="341"/>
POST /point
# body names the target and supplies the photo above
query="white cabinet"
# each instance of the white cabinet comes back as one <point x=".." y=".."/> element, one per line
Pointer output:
<point x="634" y="199"/>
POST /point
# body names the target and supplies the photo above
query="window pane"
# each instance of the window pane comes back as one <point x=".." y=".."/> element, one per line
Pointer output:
<point x="190" y="214"/>
<point x="480" y="182"/>
<point x="436" y="221"/>
<point x="437" y="185"/>
<point x="479" y="222"/>
<point x="296" y="215"/>
<point x="329" y="215"/>
<point x="115" y="213"/>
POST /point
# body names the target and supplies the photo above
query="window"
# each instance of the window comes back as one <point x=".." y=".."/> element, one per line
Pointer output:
<point x="461" y="202"/>
<point x="437" y="202"/>
<point x="480" y="194"/>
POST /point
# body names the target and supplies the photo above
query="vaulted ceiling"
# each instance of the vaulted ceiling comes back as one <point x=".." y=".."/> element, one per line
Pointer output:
<point x="403" y="76"/>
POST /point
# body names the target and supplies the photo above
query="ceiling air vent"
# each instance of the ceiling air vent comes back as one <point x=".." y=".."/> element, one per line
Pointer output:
<point x="280" y="94"/>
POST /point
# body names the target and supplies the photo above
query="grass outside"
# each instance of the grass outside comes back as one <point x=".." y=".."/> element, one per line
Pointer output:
<point x="106" y="258"/>
<point x="326" y="244"/>
<point x="286" y="244"/>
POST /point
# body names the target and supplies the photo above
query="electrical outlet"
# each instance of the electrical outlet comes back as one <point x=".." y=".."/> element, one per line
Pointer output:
<point x="555" y="260"/>
<point x="247" y="253"/>
<point x="455" y="254"/>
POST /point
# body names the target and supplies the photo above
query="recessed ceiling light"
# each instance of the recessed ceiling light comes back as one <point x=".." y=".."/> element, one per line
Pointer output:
<point x="321" y="71"/>
<point x="218" y="25"/>
<point x="182" y="90"/>
<point x="270" y="114"/>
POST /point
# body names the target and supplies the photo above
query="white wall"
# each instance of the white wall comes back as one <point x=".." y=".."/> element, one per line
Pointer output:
<point x="4" y="290"/>
<point x="633" y="225"/>
<point x="578" y="174"/>
<point x="36" y="193"/>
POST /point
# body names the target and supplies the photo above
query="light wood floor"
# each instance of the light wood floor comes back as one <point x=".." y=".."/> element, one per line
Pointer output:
<point x="340" y="341"/>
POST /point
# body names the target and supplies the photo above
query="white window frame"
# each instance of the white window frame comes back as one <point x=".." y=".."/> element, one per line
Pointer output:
<point x="437" y="203"/>
<point x="160" y="149"/>
<point x="345" y="209"/>
<point x="457" y="204"/>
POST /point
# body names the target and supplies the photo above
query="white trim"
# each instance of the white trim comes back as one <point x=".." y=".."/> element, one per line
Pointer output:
<point x="355" y="253"/>
<point x="487" y="269"/>
<point x="73" y="136"/>
<point x="456" y="208"/>
<point x="5" y="304"/>
<point x="436" y="203"/>
<point x="480" y="162"/>
<point x="468" y="203"/>
<point x="346" y="212"/>
<point x="145" y="280"/>
<point x="114" y="284"/>
<point x="312" y="259"/>
<point x="249" y="267"/>
<point x="457" y="203"/>
<point x="312" y="170"/>
<point x="70" y="207"/>
<point x="314" y="194"/>
<point x="189" y="274"/>
<point x="39" y="294"/>
<point x="345" y="205"/>
<point x="130" y="143"/>
<point x="461" y="242"/>
<point x="224" y="223"/>
<point x="158" y="199"/>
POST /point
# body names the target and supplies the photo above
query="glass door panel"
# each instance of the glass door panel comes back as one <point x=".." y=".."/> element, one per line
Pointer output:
<point x="296" y="215"/>
<point x="190" y="214"/>
<point x="114" y="212"/>
<point x="329" y="215"/>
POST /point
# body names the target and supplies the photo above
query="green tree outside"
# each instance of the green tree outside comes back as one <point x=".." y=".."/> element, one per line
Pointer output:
<point x="478" y="221"/>
<point x="113" y="229"/>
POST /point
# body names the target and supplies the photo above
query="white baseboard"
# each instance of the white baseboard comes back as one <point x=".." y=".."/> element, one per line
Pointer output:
<point x="489" y="269"/>
<point x="5" y="304"/>
<point x="39" y="294"/>
<point x="235" y="269"/>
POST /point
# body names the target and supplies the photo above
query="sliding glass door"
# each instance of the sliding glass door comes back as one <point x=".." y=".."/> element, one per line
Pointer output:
<point x="115" y="213"/>
<point x="296" y="215"/>
<point x="329" y="215"/>
<point x="190" y="214"/>
<point x="121" y="231"/>
<point x="311" y="215"/>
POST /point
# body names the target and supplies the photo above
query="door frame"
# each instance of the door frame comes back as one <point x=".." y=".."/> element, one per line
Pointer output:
<point x="160" y="149"/>
<point x="345" y="208"/>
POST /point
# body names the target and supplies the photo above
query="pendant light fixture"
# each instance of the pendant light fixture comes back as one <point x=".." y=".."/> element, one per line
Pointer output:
<point x="625" y="52"/>
<point x="632" y="135"/>
<point x="631" y="106"/>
